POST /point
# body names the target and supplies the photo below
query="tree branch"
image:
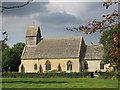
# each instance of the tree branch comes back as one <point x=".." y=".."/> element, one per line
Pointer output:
<point x="3" y="7"/>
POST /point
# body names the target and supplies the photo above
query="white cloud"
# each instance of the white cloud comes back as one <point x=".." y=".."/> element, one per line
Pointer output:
<point x="68" y="7"/>
<point x="81" y="10"/>
<point x="16" y="27"/>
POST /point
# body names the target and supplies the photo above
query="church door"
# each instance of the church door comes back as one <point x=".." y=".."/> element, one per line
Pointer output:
<point x="40" y="69"/>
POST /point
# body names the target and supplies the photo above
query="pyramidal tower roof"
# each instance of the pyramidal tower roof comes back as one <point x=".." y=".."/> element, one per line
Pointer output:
<point x="32" y="30"/>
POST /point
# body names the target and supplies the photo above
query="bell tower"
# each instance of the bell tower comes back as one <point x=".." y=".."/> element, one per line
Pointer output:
<point x="33" y="35"/>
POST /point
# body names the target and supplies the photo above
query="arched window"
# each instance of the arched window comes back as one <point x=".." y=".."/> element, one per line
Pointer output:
<point x="35" y="67"/>
<point x="101" y="65"/>
<point x="85" y="65"/>
<point x="69" y="65"/>
<point x="59" y="67"/>
<point x="48" y="65"/>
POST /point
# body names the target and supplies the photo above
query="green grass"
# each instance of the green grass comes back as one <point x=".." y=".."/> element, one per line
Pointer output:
<point x="58" y="83"/>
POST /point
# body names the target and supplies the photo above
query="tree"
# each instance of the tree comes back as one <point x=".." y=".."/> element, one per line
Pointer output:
<point x="5" y="34"/>
<point x="107" y="39"/>
<point x="16" y="59"/>
<point x="5" y="59"/>
<point x="109" y="22"/>
<point x="5" y="51"/>
<point x="3" y="44"/>
<point x="12" y="57"/>
<point x="3" y="47"/>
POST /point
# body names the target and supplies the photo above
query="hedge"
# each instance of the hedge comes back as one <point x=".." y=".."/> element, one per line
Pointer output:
<point x="101" y="75"/>
<point x="46" y="75"/>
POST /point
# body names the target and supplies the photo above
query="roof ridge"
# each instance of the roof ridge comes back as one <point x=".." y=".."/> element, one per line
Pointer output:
<point x="62" y="37"/>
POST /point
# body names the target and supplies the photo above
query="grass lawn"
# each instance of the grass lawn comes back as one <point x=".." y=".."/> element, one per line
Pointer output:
<point x="58" y="83"/>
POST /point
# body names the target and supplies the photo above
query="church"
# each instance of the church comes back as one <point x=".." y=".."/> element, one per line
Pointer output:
<point x="66" y="54"/>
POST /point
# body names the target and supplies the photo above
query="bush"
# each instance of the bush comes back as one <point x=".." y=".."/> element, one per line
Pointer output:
<point x="106" y="75"/>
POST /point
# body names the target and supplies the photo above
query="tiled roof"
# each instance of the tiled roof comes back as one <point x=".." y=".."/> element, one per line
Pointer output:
<point x="32" y="30"/>
<point x="94" y="52"/>
<point x="54" y="48"/>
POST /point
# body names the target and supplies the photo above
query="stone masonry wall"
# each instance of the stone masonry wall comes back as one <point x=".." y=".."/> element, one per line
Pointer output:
<point x="31" y="40"/>
<point x="94" y="65"/>
<point x="29" y="64"/>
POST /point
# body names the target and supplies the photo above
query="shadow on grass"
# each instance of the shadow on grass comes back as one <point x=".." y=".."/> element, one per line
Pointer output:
<point x="34" y="82"/>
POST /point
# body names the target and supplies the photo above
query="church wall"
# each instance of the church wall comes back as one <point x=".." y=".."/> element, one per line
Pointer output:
<point x="94" y="65"/>
<point x="29" y="64"/>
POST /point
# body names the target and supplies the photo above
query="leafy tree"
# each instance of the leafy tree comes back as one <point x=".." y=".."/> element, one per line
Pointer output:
<point x="16" y="56"/>
<point x="5" y="34"/>
<point x="4" y="46"/>
<point x="6" y="59"/>
<point x="110" y="22"/>
<point x="12" y="57"/>
<point x="108" y="39"/>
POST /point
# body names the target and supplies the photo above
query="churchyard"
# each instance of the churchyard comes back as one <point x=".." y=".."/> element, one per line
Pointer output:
<point x="58" y="83"/>
<point x="59" y="80"/>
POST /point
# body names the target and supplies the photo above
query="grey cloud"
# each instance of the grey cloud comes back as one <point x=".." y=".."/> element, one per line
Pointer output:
<point x="58" y="18"/>
<point x="33" y="7"/>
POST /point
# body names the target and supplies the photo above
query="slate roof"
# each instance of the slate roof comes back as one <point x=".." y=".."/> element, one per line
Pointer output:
<point x="32" y="30"/>
<point x="94" y="52"/>
<point x="54" y="48"/>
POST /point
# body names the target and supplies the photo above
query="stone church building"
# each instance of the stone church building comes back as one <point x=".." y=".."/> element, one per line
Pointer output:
<point x="68" y="54"/>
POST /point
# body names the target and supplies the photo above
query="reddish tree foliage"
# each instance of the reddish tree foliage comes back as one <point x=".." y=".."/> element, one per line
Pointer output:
<point x="110" y="21"/>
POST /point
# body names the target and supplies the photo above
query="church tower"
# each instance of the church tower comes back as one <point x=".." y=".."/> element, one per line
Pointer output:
<point x="33" y="35"/>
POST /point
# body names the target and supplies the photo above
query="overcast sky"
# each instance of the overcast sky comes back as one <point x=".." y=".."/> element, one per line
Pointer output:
<point x="53" y="18"/>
